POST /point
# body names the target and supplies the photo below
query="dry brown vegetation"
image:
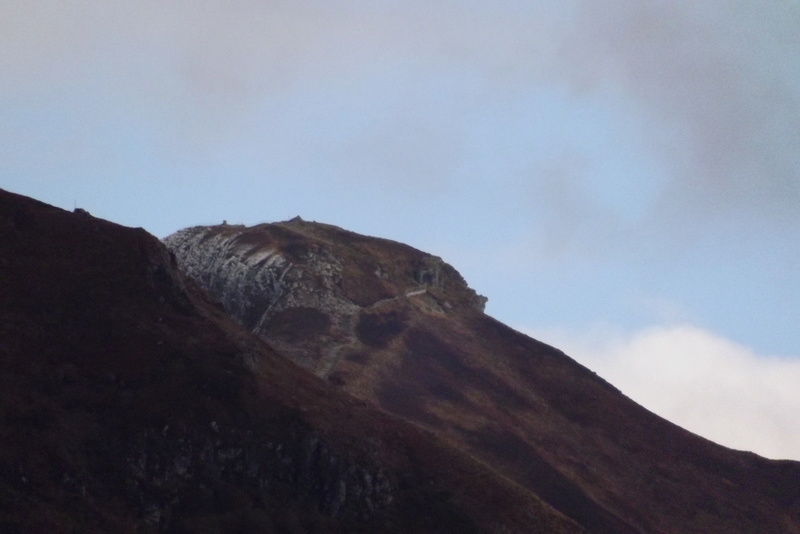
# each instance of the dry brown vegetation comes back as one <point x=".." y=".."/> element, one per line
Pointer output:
<point x="131" y="403"/>
<point x="525" y="410"/>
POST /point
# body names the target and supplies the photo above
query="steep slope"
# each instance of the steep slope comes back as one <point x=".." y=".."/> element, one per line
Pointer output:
<point x="288" y="283"/>
<point x="401" y="329"/>
<point x="130" y="403"/>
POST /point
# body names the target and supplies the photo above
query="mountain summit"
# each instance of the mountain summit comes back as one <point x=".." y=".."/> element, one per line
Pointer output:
<point x="311" y="289"/>
<point x="401" y="330"/>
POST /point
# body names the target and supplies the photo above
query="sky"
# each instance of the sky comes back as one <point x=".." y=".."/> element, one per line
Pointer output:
<point x="620" y="178"/>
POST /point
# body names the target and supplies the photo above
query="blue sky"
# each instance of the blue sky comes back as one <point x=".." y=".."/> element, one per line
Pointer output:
<point x="621" y="179"/>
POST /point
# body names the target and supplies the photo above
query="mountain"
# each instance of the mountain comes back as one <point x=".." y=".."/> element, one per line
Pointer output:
<point x="132" y="403"/>
<point x="401" y="330"/>
<point x="296" y="377"/>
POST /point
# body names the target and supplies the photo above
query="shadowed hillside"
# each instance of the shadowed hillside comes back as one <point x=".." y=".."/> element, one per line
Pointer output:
<point x="131" y="403"/>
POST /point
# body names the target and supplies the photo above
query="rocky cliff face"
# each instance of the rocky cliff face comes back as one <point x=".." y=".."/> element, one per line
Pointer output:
<point x="305" y="287"/>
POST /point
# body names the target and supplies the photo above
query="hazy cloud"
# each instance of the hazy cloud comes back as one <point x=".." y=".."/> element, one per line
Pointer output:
<point x="703" y="382"/>
<point x="715" y="84"/>
<point x="721" y="81"/>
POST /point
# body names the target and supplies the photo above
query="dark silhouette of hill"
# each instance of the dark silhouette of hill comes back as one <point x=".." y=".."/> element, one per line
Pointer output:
<point x="401" y="330"/>
<point x="130" y="402"/>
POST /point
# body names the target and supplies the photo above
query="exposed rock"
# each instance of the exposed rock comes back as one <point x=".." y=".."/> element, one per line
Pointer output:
<point x="301" y="273"/>
<point x="162" y="469"/>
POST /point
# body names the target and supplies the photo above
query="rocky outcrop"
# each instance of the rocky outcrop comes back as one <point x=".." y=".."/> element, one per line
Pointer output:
<point x="165" y="467"/>
<point x="247" y="279"/>
<point x="317" y="277"/>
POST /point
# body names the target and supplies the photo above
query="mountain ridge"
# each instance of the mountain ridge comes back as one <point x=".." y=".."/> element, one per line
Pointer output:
<point x="132" y="403"/>
<point x="254" y="273"/>
<point x="413" y="340"/>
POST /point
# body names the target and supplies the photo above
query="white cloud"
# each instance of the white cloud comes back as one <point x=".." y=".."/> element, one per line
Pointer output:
<point x="703" y="382"/>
